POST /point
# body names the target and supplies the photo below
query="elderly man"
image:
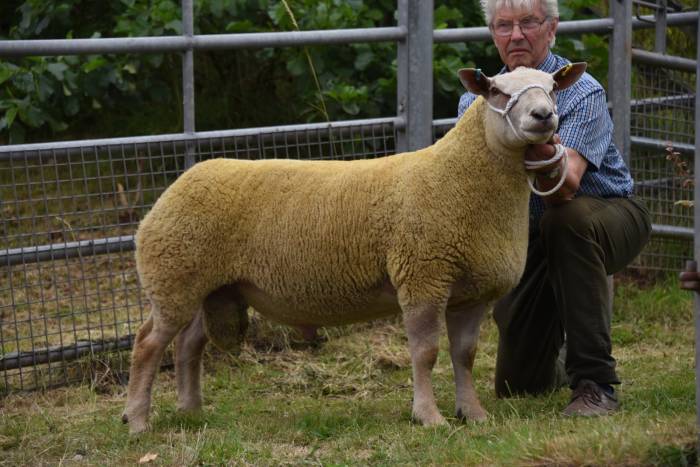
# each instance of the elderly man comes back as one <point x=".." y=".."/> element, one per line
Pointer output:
<point x="587" y="229"/>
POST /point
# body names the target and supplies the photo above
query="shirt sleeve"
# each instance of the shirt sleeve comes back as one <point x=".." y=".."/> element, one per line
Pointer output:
<point x="587" y="127"/>
<point x="464" y="102"/>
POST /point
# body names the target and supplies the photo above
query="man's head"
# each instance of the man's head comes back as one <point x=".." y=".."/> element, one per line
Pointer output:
<point x="523" y="30"/>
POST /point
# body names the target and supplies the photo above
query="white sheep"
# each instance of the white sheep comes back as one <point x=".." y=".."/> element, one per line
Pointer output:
<point x="321" y="243"/>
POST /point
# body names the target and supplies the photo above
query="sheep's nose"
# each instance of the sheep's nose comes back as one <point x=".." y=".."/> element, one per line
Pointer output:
<point x="541" y="115"/>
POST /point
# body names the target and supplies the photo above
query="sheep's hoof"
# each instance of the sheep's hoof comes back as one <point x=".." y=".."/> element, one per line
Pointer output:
<point x="474" y="415"/>
<point x="432" y="420"/>
<point x="136" y="426"/>
<point x="190" y="406"/>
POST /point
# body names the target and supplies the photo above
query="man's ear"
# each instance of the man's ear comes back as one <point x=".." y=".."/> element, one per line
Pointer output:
<point x="475" y="81"/>
<point x="568" y="74"/>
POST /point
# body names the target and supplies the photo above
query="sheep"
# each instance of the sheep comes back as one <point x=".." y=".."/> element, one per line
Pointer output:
<point x="323" y="243"/>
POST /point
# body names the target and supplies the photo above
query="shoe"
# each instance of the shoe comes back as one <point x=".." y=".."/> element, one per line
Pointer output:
<point x="590" y="400"/>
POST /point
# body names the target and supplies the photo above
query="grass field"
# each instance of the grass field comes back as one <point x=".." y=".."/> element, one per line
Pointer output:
<point x="347" y="402"/>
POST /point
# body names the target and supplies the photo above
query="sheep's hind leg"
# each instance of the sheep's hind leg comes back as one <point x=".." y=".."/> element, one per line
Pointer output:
<point x="151" y="340"/>
<point x="463" y="332"/>
<point x="423" y="330"/>
<point x="189" y="347"/>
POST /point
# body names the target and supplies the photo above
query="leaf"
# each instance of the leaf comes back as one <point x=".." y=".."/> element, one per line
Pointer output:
<point x="94" y="63"/>
<point x="351" y="108"/>
<point x="44" y="88"/>
<point x="297" y="65"/>
<point x="363" y="59"/>
<point x="10" y="116"/>
<point x="150" y="457"/>
<point x="129" y="68"/>
<point x="174" y="25"/>
<point x="24" y="82"/>
<point x="216" y="7"/>
<point x="71" y="106"/>
<point x="56" y="125"/>
<point x="57" y="70"/>
<point x="17" y="134"/>
<point x="32" y="116"/>
<point x="7" y="70"/>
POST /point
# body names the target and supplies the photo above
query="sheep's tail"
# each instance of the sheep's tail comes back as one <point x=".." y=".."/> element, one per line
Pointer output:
<point x="225" y="318"/>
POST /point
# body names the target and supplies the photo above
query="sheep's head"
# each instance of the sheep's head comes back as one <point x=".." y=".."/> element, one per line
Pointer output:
<point x="522" y="103"/>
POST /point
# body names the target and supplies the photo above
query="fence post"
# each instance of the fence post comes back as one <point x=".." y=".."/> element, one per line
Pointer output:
<point x="620" y="78"/>
<point x="696" y="214"/>
<point x="188" y="80"/>
<point x="414" y="76"/>
<point x="660" y="27"/>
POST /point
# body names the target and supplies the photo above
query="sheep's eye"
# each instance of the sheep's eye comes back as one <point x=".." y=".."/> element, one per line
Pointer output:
<point x="495" y="92"/>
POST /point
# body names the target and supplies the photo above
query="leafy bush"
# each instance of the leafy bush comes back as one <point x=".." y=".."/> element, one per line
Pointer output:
<point x="68" y="97"/>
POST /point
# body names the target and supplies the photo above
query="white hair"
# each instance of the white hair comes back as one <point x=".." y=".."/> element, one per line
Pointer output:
<point x="489" y="7"/>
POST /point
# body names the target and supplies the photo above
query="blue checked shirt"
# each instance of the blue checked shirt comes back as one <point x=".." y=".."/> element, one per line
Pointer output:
<point x="584" y="125"/>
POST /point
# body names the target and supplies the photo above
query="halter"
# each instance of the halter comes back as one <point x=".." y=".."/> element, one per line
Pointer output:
<point x="530" y="165"/>
<point x="514" y="100"/>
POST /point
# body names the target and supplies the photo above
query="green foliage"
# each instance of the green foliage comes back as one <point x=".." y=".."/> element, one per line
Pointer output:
<point x="44" y="96"/>
<point x="68" y="97"/>
<point x="589" y="48"/>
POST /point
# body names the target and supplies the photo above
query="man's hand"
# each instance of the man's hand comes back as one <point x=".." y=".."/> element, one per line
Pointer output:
<point x="543" y="152"/>
<point x="547" y="176"/>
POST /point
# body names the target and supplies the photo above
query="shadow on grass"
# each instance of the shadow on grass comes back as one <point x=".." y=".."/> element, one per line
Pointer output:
<point x="672" y="455"/>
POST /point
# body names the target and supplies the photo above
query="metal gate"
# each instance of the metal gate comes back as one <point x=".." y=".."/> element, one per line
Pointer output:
<point x="70" y="302"/>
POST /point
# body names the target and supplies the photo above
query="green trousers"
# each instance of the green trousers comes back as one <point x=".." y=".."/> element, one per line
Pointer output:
<point x="564" y="295"/>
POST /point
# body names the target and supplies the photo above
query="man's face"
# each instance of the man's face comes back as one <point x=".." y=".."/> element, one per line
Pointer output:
<point x="527" y="43"/>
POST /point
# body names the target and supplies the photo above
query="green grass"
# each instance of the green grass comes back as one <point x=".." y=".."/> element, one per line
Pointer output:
<point x="347" y="402"/>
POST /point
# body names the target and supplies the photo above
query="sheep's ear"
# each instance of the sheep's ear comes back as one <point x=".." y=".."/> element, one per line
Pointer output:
<point x="568" y="74"/>
<point x="475" y="81"/>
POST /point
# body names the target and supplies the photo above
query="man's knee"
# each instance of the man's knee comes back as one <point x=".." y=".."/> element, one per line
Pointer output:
<point x="569" y="219"/>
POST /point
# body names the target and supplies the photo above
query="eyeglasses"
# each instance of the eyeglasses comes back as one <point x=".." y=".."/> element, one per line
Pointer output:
<point x="527" y="25"/>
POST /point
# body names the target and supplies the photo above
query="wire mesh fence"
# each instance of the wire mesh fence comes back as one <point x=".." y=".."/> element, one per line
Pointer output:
<point x="67" y="313"/>
<point x="663" y="109"/>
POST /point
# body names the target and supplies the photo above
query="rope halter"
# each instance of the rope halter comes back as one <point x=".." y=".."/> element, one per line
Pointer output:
<point x="560" y="151"/>
<point x="559" y="154"/>
<point x="514" y="100"/>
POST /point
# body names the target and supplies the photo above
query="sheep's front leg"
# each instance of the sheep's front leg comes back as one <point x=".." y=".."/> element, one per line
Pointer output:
<point x="463" y="332"/>
<point x="423" y="330"/>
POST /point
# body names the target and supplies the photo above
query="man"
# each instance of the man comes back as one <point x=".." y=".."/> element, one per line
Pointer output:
<point x="589" y="228"/>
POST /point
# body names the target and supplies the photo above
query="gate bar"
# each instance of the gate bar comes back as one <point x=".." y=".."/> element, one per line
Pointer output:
<point x="125" y="243"/>
<point x="188" y="108"/>
<point x="620" y="75"/>
<point x="158" y="44"/>
<point x="696" y="216"/>
<point x="261" y="40"/>
<point x="663" y="60"/>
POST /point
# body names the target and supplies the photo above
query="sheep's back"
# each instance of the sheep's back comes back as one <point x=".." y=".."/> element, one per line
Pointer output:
<point x="310" y="235"/>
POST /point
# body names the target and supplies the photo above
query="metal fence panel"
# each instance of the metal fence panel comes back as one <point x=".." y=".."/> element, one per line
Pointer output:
<point x="663" y="109"/>
<point x="80" y="303"/>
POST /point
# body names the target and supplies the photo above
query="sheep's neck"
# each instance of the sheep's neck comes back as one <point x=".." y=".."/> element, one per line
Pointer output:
<point x="470" y="149"/>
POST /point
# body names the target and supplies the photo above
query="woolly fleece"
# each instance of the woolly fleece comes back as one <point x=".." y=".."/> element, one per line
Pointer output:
<point x="331" y="242"/>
